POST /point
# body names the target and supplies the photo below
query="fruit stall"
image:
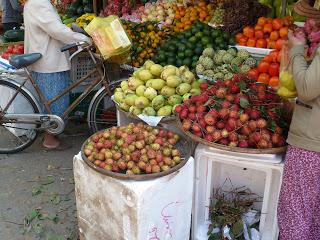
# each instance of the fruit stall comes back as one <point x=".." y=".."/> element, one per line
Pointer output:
<point x="204" y="108"/>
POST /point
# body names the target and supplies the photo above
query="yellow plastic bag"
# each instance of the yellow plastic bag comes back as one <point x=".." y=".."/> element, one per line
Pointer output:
<point x="109" y="36"/>
<point x="287" y="88"/>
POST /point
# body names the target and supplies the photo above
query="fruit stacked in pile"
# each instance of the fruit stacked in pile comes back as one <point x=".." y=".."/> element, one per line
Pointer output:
<point x="154" y="90"/>
<point x="222" y="64"/>
<point x="146" y="37"/>
<point x="160" y="11"/>
<point x="134" y="149"/>
<point x="16" y="49"/>
<point x="267" y="71"/>
<point x="236" y="113"/>
<point x="186" y="16"/>
<point x="268" y="33"/>
<point x="234" y="14"/>
<point x="186" y="47"/>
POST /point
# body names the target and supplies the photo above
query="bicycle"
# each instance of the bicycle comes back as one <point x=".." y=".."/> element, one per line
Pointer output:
<point x="18" y="130"/>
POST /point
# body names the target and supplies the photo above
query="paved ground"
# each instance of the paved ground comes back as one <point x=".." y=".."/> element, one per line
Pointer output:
<point x="37" y="192"/>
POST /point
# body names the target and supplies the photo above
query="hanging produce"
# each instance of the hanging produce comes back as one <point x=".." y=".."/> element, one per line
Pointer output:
<point x="237" y="113"/>
<point x="134" y="149"/>
<point x="276" y="9"/>
<point x="235" y="14"/>
<point x="223" y="64"/>
<point x="186" y="47"/>
<point x="154" y="90"/>
<point x="311" y="32"/>
<point x="267" y="33"/>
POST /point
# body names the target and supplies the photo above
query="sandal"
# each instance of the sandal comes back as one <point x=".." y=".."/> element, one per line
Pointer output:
<point x="60" y="147"/>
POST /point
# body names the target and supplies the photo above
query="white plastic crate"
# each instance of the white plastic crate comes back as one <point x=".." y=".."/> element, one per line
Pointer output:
<point x="212" y="170"/>
<point x="81" y="65"/>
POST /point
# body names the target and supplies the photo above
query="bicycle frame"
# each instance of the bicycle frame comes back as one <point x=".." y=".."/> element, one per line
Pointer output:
<point x="47" y="103"/>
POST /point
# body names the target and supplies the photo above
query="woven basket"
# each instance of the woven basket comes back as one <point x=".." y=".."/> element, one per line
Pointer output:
<point x="195" y="138"/>
<point x="130" y="115"/>
<point x="183" y="146"/>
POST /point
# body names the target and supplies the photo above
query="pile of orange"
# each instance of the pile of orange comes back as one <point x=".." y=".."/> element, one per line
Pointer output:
<point x="185" y="16"/>
<point x="268" y="33"/>
<point x="268" y="69"/>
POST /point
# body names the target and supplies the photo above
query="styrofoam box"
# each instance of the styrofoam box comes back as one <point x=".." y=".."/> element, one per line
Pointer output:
<point x="213" y="168"/>
<point x="114" y="209"/>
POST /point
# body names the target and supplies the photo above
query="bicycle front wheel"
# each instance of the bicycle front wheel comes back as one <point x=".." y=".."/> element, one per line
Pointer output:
<point x="15" y="136"/>
<point x="102" y="112"/>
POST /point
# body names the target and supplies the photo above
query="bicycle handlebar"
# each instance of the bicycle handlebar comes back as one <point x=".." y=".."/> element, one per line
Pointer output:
<point x="68" y="46"/>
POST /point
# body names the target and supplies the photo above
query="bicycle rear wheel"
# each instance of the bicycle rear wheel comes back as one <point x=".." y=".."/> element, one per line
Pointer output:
<point x="102" y="111"/>
<point x="15" y="137"/>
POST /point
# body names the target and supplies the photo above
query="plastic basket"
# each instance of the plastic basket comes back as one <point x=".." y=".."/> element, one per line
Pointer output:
<point x="81" y="65"/>
<point x="82" y="108"/>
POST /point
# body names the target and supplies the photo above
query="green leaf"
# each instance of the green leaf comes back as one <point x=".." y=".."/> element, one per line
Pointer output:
<point x="215" y="236"/>
<point x="244" y="103"/>
<point x="54" y="219"/>
<point x="263" y="111"/>
<point x="242" y="85"/>
<point x="237" y="228"/>
<point x="55" y="199"/>
<point x="272" y="124"/>
<point x="38" y="228"/>
<point x="31" y="216"/>
<point x="49" y="180"/>
<point x="37" y="190"/>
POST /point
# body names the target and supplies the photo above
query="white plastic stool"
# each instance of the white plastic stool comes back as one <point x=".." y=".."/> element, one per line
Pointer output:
<point x="214" y="166"/>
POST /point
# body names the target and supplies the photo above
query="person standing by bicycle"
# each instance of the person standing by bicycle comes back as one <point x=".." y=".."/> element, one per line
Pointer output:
<point x="46" y="34"/>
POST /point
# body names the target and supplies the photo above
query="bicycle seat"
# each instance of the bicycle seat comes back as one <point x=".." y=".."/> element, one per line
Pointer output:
<point x="24" y="60"/>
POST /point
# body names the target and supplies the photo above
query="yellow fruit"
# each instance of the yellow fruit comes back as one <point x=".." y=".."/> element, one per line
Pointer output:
<point x="285" y="93"/>
<point x="287" y="81"/>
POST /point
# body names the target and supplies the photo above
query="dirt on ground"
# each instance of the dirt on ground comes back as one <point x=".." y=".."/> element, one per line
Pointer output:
<point x="37" y="191"/>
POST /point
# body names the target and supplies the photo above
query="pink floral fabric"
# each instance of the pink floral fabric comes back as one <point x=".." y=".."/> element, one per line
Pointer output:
<point x="299" y="202"/>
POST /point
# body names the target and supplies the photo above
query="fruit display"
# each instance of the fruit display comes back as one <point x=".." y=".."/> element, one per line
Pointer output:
<point x="235" y="14"/>
<point x="118" y="7"/>
<point x="185" y="16"/>
<point x="186" y="47"/>
<point x="276" y="9"/>
<point x="160" y="11"/>
<point x="154" y="90"/>
<point x="267" y="71"/>
<point x="267" y="33"/>
<point x="145" y="37"/>
<point x="236" y="113"/>
<point x="78" y="8"/>
<point x="81" y="21"/>
<point x="134" y="149"/>
<point x="223" y="64"/>
<point x="13" y="50"/>
<point x="311" y="32"/>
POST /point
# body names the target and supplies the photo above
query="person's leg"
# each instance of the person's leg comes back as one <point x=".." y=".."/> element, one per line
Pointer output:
<point x="52" y="84"/>
<point x="299" y="195"/>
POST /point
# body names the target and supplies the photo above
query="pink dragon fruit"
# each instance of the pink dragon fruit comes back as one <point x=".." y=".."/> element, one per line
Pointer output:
<point x="314" y="36"/>
<point x="310" y="25"/>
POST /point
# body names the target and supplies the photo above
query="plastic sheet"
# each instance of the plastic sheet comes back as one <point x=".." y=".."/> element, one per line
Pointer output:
<point x="109" y="36"/>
